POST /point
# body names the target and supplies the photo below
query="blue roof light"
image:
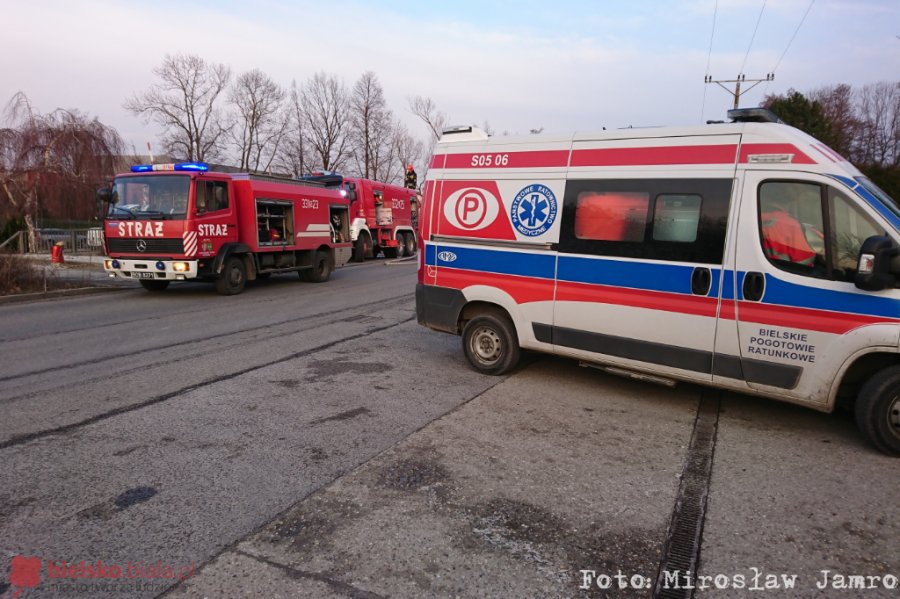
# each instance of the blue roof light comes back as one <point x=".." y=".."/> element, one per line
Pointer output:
<point x="199" y="167"/>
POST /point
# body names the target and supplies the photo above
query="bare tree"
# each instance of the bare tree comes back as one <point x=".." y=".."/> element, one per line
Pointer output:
<point x="325" y="113"/>
<point x="53" y="162"/>
<point x="260" y="121"/>
<point x="837" y="106"/>
<point x="184" y="104"/>
<point x="425" y="108"/>
<point x="293" y="154"/>
<point x="406" y="149"/>
<point x="878" y="106"/>
<point x="372" y="124"/>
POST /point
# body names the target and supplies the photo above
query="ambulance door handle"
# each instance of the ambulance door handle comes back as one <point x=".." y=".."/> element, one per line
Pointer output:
<point x="754" y="286"/>
<point x="701" y="280"/>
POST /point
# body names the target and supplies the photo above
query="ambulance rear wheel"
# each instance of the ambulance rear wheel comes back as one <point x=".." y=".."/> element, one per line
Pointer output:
<point x="233" y="277"/>
<point x="878" y="410"/>
<point x="321" y="269"/>
<point x="154" y="285"/>
<point x="490" y="344"/>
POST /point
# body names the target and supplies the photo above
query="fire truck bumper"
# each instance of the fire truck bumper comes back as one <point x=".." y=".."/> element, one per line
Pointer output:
<point x="158" y="270"/>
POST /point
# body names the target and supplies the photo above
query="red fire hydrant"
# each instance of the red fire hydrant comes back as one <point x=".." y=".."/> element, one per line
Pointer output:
<point x="56" y="253"/>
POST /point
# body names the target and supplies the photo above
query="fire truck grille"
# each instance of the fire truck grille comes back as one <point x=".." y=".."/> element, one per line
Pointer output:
<point x="153" y="246"/>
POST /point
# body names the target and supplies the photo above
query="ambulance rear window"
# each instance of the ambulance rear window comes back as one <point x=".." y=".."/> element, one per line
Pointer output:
<point x="611" y="216"/>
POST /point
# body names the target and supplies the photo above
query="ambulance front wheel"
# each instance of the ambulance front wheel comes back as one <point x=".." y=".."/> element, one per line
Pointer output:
<point x="490" y="344"/>
<point x="878" y="410"/>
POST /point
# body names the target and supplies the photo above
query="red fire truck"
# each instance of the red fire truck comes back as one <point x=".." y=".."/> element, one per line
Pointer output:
<point x="384" y="217"/>
<point x="178" y="222"/>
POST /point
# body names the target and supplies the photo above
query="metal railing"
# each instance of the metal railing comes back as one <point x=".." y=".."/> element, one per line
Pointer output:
<point x="78" y="241"/>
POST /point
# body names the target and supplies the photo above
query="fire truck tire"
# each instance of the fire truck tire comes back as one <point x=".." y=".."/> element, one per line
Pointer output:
<point x="233" y="277"/>
<point x="410" y="244"/>
<point x="878" y="410"/>
<point x="321" y="270"/>
<point x="491" y="344"/>
<point x="360" y="248"/>
<point x="154" y="285"/>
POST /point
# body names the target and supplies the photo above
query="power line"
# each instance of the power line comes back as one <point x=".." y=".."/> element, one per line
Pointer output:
<point x="791" y="41"/>
<point x="709" y="56"/>
<point x="753" y="37"/>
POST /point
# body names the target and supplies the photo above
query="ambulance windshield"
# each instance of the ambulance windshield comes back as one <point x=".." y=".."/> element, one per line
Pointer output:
<point x="883" y="197"/>
<point x="158" y="197"/>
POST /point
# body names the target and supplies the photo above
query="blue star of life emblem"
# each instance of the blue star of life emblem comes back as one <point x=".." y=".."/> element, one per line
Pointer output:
<point x="533" y="210"/>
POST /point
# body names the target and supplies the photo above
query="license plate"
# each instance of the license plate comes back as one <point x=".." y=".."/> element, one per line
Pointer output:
<point x="143" y="275"/>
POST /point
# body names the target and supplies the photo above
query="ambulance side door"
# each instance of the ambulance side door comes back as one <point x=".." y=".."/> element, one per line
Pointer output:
<point x="798" y="314"/>
<point x="639" y="272"/>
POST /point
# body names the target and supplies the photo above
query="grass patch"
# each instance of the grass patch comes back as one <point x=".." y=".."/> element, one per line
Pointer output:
<point x="22" y="275"/>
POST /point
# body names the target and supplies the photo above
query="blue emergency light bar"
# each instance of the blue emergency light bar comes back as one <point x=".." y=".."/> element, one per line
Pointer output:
<point x="199" y="167"/>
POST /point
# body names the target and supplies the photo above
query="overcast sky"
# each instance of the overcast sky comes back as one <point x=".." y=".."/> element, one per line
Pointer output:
<point x="563" y="65"/>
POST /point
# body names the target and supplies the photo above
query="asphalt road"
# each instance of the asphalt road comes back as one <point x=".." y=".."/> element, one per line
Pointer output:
<point x="313" y="440"/>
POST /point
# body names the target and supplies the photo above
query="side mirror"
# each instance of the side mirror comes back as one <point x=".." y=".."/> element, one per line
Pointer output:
<point x="107" y="195"/>
<point x="874" y="271"/>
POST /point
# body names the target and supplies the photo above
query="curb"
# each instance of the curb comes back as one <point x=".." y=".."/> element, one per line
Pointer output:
<point x="26" y="297"/>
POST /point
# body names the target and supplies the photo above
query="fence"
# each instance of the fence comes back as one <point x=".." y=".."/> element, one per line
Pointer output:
<point x="79" y="241"/>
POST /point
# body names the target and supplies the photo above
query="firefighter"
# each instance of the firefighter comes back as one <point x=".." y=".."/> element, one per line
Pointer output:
<point x="411" y="179"/>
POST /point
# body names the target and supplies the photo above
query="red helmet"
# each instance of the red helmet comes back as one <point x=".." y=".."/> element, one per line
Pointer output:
<point x="409" y="167"/>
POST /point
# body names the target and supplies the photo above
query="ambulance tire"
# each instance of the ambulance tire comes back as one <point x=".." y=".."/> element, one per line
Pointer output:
<point x="321" y="270"/>
<point x="491" y="344"/>
<point x="233" y="277"/>
<point x="410" y="244"/>
<point x="154" y="285"/>
<point x="878" y="410"/>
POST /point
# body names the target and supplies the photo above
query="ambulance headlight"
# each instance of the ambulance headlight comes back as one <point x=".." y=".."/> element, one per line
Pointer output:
<point x="160" y="265"/>
<point x="180" y="266"/>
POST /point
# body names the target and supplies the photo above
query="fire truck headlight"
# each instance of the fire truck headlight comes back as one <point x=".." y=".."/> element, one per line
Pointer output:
<point x="160" y="265"/>
<point x="114" y="264"/>
<point x="180" y="266"/>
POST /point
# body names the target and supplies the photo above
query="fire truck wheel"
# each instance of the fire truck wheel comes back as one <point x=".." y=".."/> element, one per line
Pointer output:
<point x="360" y="248"/>
<point x="410" y="244"/>
<point x="154" y="285"/>
<point x="233" y="277"/>
<point x="490" y="344"/>
<point x="878" y="410"/>
<point x="321" y="269"/>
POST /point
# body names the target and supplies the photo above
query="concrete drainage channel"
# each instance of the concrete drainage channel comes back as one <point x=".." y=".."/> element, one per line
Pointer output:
<point x="681" y="554"/>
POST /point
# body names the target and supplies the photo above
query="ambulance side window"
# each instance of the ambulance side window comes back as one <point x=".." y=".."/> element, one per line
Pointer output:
<point x="850" y="227"/>
<point x="654" y="219"/>
<point x="792" y="226"/>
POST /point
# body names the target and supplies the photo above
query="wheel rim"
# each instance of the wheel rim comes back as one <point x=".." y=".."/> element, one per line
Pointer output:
<point x="486" y="345"/>
<point x="235" y="277"/>
<point x="894" y="415"/>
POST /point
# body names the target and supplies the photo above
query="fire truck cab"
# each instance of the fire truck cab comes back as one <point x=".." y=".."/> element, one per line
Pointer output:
<point x="180" y="222"/>
<point x="747" y="256"/>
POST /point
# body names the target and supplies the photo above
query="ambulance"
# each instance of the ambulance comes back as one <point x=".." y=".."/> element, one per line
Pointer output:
<point x="745" y="255"/>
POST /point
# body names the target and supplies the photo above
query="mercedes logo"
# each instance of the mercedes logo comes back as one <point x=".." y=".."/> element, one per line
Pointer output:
<point x="141" y="245"/>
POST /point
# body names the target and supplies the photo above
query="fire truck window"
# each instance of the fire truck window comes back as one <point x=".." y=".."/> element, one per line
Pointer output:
<point x="611" y="216"/>
<point x="850" y="227"/>
<point x="676" y="218"/>
<point x="791" y="226"/>
<point x="219" y="200"/>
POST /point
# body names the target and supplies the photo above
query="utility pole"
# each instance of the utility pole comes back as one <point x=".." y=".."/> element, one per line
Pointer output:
<point x="737" y="84"/>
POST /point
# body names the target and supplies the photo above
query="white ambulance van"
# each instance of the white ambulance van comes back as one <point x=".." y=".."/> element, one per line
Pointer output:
<point x="746" y="255"/>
